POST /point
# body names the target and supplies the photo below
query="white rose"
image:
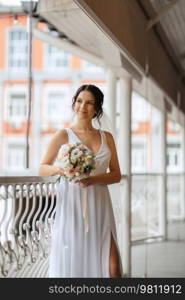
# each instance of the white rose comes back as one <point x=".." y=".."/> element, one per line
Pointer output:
<point x="73" y="160"/>
<point x="65" y="148"/>
<point x="76" y="153"/>
<point x="68" y="166"/>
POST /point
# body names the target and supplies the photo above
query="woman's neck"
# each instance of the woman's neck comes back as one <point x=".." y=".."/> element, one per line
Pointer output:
<point x="83" y="126"/>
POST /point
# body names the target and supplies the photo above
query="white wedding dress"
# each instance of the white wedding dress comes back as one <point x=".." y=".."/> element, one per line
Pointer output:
<point x="84" y="221"/>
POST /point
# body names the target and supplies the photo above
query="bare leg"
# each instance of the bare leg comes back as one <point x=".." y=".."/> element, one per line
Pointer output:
<point x="114" y="266"/>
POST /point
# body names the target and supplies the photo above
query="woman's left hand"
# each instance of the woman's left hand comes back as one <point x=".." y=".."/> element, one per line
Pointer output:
<point x="85" y="181"/>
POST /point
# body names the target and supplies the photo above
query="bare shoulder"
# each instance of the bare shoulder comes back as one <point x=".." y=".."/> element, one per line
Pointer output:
<point x="62" y="133"/>
<point x="109" y="136"/>
<point x="60" y="136"/>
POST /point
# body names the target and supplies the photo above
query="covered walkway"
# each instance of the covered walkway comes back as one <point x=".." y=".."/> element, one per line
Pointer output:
<point x="141" y="54"/>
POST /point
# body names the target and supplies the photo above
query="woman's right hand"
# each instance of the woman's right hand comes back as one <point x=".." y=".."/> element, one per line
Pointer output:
<point x="60" y="171"/>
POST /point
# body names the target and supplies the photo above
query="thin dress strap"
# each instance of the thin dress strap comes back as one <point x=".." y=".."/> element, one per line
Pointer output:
<point x="68" y="135"/>
<point x="104" y="138"/>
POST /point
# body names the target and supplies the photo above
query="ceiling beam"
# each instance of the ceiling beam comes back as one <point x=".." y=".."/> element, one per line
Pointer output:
<point x="161" y="13"/>
<point x="149" y="12"/>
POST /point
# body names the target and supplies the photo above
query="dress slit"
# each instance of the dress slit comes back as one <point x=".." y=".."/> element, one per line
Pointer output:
<point x="105" y="255"/>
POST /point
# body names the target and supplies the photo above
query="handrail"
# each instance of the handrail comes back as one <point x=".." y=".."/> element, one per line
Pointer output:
<point x="33" y="179"/>
<point x="156" y="174"/>
<point x="25" y="179"/>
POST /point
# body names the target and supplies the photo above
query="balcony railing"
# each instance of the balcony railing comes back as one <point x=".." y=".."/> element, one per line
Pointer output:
<point x="27" y="208"/>
<point x="146" y="191"/>
<point x="146" y="203"/>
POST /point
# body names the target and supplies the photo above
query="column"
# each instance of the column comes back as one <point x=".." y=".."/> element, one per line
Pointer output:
<point x="163" y="179"/>
<point x="182" y="199"/>
<point x="111" y="98"/>
<point x="36" y="127"/>
<point x="124" y="153"/>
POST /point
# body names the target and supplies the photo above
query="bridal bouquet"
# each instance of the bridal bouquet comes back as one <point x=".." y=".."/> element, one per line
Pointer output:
<point x="76" y="161"/>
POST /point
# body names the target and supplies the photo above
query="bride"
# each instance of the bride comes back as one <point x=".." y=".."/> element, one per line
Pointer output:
<point x="84" y="240"/>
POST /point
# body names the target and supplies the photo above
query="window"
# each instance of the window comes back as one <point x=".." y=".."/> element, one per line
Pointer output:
<point x="138" y="156"/>
<point x="174" y="126"/>
<point x="16" y="157"/>
<point x="173" y="155"/>
<point x="18" y="49"/>
<point x="141" y="108"/>
<point x="17" y="106"/>
<point x="92" y="67"/>
<point x="135" y="125"/>
<point x="57" y="106"/>
<point x="54" y="108"/>
<point x="56" y="58"/>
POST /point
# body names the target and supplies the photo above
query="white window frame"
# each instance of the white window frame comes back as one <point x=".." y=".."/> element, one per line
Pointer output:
<point x="17" y="140"/>
<point x="140" y="140"/>
<point x="14" y="69"/>
<point x="90" y="67"/>
<point x="47" y="59"/>
<point x="143" y="114"/>
<point x="174" y="126"/>
<point x="62" y="88"/>
<point x="172" y="168"/>
<point x="14" y="89"/>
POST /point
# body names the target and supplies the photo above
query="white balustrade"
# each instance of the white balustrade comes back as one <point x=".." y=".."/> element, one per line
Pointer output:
<point x="27" y="210"/>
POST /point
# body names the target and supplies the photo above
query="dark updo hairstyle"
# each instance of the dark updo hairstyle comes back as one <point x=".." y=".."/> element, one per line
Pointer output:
<point x="98" y="95"/>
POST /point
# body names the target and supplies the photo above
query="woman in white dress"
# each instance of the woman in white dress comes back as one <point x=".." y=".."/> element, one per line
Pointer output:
<point x="84" y="241"/>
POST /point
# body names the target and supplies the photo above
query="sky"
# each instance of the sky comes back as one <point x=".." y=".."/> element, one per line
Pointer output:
<point x="12" y="2"/>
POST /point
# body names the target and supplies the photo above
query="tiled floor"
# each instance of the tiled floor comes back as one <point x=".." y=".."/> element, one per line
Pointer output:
<point x="161" y="259"/>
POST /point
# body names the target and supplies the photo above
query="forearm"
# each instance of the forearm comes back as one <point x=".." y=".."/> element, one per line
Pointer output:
<point x="106" y="178"/>
<point x="48" y="170"/>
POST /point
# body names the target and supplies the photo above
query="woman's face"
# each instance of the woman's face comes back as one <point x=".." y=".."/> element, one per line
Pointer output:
<point x="85" y="105"/>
